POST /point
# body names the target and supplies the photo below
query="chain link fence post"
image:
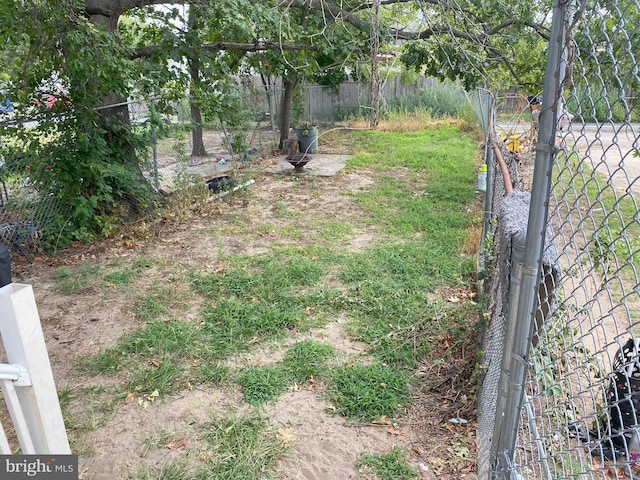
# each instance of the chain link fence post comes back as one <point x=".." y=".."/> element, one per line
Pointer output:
<point x="526" y="259"/>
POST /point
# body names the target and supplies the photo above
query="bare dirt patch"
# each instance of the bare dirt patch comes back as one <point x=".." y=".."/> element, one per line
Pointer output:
<point x="134" y="433"/>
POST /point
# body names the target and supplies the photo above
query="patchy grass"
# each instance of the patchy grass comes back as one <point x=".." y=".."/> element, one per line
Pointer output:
<point x="307" y="360"/>
<point x="304" y="362"/>
<point x="242" y="448"/>
<point x="92" y="276"/>
<point x="369" y="392"/>
<point x="391" y="465"/>
<point x="262" y="384"/>
<point x="83" y="279"/>
<point x="394" y="294"/>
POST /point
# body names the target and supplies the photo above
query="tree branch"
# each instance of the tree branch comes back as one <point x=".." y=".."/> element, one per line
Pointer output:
<point x="369" y="5"/>
<point x="108" y="9"/>
<point x="335" y="11"/>
<point x="464" y="35"/>
<point x="354" y="20"/>
<point x="243" y="47"/>
<point x="118" y="7"/>
<point x="539" y="29"/>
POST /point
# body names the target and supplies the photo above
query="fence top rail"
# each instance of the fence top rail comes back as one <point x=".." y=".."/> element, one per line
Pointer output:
<point x="15" y="373"/>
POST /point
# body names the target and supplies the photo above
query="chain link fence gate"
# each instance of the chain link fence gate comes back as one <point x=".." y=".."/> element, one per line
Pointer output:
<point x="560" y="396"/>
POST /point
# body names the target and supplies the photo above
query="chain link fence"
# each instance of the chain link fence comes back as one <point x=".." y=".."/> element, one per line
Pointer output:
<point x="560" y="397"/>
<point x="27" y="207"/>
<point x="182" y="151"/>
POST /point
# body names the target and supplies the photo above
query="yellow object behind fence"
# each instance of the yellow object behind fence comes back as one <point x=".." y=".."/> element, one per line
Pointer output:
<point x="513" y="143"/>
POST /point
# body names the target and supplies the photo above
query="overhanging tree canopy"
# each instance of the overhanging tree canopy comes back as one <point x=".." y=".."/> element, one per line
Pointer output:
<point x="74" y="50"/>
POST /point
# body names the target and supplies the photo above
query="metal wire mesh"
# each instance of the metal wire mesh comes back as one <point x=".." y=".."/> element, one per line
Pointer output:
<point x="497" y="268"/>
<point x="26" y="209"/>
<point x="172" y="157"/>
<point x="578" y="417"/>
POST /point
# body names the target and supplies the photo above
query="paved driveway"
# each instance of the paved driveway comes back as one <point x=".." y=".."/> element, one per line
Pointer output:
<point x="610" y="149"/>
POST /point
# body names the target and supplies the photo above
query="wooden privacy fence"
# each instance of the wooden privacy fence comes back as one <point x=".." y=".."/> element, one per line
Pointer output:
<point x="28" y="387"/>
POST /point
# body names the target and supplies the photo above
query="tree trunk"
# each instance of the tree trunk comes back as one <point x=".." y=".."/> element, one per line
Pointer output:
<point x="376" y="85"/>
<point x="117" y="107"/>
<point x="121" y="110"/>
<point x="198" y="149"/>
<point x="287" y="104"/>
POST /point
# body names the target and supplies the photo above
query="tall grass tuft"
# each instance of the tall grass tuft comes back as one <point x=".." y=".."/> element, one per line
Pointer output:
<point x="367" y="392"/>
<point x="439" y="101"/>
<point x="242" y="448"/>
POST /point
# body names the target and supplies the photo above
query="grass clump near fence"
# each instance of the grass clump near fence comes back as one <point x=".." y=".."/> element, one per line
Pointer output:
<point x="434" y="101"/>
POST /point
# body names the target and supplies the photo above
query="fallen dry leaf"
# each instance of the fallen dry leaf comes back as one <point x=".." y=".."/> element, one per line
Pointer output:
<point x="177" y="444"/>
<point x="287" y="436"/>
<point x="437" y="464"/>
<point x="382" y="421"/>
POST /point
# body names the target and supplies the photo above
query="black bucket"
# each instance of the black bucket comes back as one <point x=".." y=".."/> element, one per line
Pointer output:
<point x="220" y="184"/>
<point x="5" y="265"/>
